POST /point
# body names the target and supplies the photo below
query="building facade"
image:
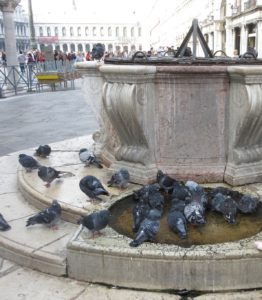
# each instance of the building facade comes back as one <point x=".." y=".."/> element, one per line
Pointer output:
<point x="228" y="25"/>
<point x="21" y="30"/>
<point x="81" y="37"/>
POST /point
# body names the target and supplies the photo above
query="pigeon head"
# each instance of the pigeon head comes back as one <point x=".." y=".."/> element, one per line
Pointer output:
<point x="80" y="221"/>
<point x="56" y="206"/>
<point x="159" y="175"/>
<point x="22" y="156"/>
<point x="82" y="150"/>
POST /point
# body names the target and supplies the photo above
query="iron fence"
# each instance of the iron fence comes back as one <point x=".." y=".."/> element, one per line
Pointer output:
<point x="16" y="79"/>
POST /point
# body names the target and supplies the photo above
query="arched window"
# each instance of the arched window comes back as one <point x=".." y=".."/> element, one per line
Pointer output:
<point x="139" y="31"/>
<point x="102" y="31"/>
<point x="56" y="31"/>
<point x="80" y="47"/>
<point x="132" y="32"/>
<point x="63" y="31"/>
<point x="78" y="31"/>
<point x="71" y="31"/>
<point x="87" y="47"/>
<point x="86" y="31"/>
<point x="94" y="31"/>
<point x="65" y="48"/>
<point x="40" y="31"/>
<point x="124" y="31"/>
<point x="109" y="31"/>
<point x="117" y="31"/>
<point x="72" y="47"/>
<point x="48" y="31"/>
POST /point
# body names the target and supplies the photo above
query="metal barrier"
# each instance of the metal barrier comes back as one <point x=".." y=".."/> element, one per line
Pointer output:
<point x="14" y="79"/>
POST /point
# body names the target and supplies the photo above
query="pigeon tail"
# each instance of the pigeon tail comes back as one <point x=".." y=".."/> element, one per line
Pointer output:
<point x="31" y="221"/>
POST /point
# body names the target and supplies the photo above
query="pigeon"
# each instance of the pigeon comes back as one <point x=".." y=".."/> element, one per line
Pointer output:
<point x="181" y="192"/>
<point x="177" y="204"/>
<point x="28" y="162"/>
<point x="88" y="157"/>
<point x="191" y="185"/>
<point x="98" y="51"/>
<point x="49" y="216"/>
<point x="120" y="179"/>
<point x="148" y="229"/>
<point x="247" y="204"/>
<point x="225" y="205"/>
<point x="177" y="222"/>
<point x="225" y="191"/>
<point x="48" y="174"/>
<point x="43" y="151"/>
<point x="140" y="212"/>
<point x="96" y="221"/>
<point x="143" y="193"/>
<point x="156" y="200"/>
<point x="195" y="213"/>
<point x="166" y="182"/>
<point x="92" y="187"/>
<point x="3" y="224"/>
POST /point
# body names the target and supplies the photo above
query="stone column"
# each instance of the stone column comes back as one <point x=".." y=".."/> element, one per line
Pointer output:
<point x="243" y="40"/>
<point x="259" y="38"/>
<point x="8" y="8"/>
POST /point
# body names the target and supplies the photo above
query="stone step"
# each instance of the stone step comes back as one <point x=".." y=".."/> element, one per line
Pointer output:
<point x="36" y="247"/>
<point x="24" y="194"/>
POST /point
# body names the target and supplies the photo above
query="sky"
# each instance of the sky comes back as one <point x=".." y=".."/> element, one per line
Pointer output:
<point x="106" y="10"/>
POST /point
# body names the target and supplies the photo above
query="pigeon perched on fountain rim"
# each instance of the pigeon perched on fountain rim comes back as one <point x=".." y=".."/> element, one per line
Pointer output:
<point x="120" y="179"/>
<point x="89" y="158"/>
<point x="28" y="162"/>
<point x="43" y="151"/>
<point x="96" y="221"/>
<point x="48" y="174"/>
<point x="92" y="187"/>
<point x="49" y="216"/>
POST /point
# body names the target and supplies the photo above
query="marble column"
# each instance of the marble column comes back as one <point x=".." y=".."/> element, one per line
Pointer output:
<point x="8" y="8"/>
<point x="259" y="38"/>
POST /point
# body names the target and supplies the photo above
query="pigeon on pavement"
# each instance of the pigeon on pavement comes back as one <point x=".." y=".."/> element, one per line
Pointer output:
<point x="96" y="221"/>
<point x="88" y="157"/>
<point x="120" y="179"/>
<point x="43" y="151"/>
<point x="92" y="187"/>
<point x="3" y="224"/>
<point x="28" y="162"/>
<point x="49" y="216"/>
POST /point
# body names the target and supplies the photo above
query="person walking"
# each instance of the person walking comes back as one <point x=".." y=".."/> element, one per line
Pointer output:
<point x="22" y="61"/>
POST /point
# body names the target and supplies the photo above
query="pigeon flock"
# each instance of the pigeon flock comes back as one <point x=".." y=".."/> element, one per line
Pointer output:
<point x="189" y="204"/>
<point x="189" y="201"/>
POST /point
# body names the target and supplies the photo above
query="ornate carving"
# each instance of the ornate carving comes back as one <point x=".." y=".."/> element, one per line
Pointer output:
<point x="123" y="109"/>
<point x="248" y="146"/>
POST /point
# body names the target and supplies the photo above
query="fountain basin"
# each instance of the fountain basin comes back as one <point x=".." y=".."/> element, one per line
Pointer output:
<point x="110" y="260"/>
<point x="193" y="122"/>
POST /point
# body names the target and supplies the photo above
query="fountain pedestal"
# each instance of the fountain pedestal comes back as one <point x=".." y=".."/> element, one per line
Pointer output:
<point x="189" y="121"/>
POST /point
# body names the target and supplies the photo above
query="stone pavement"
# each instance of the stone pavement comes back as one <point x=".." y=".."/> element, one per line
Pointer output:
<point x="42" y="118"/>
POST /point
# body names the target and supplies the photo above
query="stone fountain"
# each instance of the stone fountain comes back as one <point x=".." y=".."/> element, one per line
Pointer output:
<point x="194" y="118"/>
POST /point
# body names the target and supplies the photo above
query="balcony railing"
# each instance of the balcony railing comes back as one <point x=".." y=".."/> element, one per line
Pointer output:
<point x="250" y="4"/>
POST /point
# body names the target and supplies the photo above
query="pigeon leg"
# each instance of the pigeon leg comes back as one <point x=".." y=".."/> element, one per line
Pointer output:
<point x="47" y="184"/>
<point x="97" y="234"/>
<point x="54" y="227"/>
